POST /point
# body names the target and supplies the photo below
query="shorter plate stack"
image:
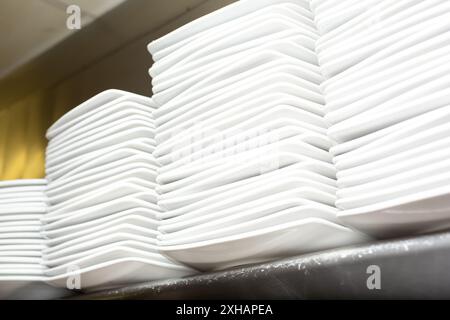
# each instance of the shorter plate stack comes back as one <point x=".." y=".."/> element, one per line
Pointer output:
<point x="22" y="205"/>
<point x="102" y="216"/>
<point x="245" y="174"/>
<point x="388" y="100"/>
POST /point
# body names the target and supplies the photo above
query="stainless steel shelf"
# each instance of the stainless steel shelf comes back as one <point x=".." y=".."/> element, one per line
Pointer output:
<point x="411" y="268"/>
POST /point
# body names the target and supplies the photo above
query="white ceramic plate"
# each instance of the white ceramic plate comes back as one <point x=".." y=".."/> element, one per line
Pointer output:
<point x="105" y="208"/>
<point x="256" y="161"/>
<point x="426" y="211"/>
<point x="241" y="152"/>
<point x="102" y="256"/>
<point x="100" y="157"/>
<point x="263" y="206"/>
<point x="108" y="125"/>
<point x="170" y="153"/>
<point x="267" y="244"/>
<point x="248" y="222"/>
<point x="89" y="107"/>
<point x="348" y="180"/>
<point x="99" y="211"/>
<point x="92" y="146"/>
<point x="109" y="193"/>
<point x="145" y="158"/>
<point x="137" y="217"/>
<point x="104" y="114"/>
<point x="218" y="17"/>
<point x="177" y="200"/>
<point x="241" y="33"/>
<point x="235" y="120"/>
<point x="123" y="271"/>
<point x="93" y="179"/>
<point x="140" y="172"/>
<point x="427" y="178"/>
<point x="241" y="196"/>
<point x="248" y="65"/>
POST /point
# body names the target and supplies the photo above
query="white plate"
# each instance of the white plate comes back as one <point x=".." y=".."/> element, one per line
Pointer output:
<point x="100" y="157"/>
<point x="176" y="200"/>
<point x="107" y="126"/>
<point x="112" y="140"/>
<point x="111" y="192"/>
<point x="236" y="172"/>
<point x="237" y="118"/>
<point x="78" y="252"/>
<point x="303" y="15"/>
<point x="247" y="222"/>
<point x="137" y="217"/>
<point x="19" y="199"/>
<point x="333" y="17"/>
<point x="419" y="38"/>
<point x="396" y="146"/>
<point x="102" y="256"/>
<point x="18" y="210"/>
<point x="367" y="19"/>
<point x="22" y="183"/>
<point x="263" y="206"/>
<point x="145" y="158"/>
<point x="426" y="211"/>
<point x="240" y="153"/>
<point x="112" y="206"/>
<point x="8" y="242"/>
<point x="240" y="90"/>
<point x="106" y="234"/>
<point x="245" y="141"/>
<point x="104" y="114"/>
<point x="267" y="244"/>
<point x="139" y="171"/>
<point x="357" y="90"/>
<point x="213" y="138"/>
<point x="17" y="218"/>
<point x="236" y="69"/>
<point x="391" y="113"/>
<point x="241" y="33"/>
<point x="404" y="174"/>
<point x="377" y="19"/>
<point x="338" y="61"/>
<point x="20" y="253"/>
<point x="402" y="130"/>
<point x="256" y="161"/>
<point x="24" y="228"/>
<point x="429" y="178"/>
<point x="93" y="179"/>
<point x="267" y="132"/>
<point x="22" y="247"/>
<point x="99" y="211"/>
<point x="124" y="271"/>
<point x="253" y="192"/>
<point x="401" y="91"/>
<point x="215" y="61"/>
<point x="216" y="18"/>
<point x="350" y="178"/>
<point x="20" y="260"/>
<point x="89" y="107"/>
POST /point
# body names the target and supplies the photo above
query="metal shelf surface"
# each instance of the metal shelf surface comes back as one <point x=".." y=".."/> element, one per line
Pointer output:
<point x="410" y="268"/>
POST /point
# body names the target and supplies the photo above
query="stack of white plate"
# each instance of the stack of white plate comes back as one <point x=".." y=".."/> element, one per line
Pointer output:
<point x="245" y="174"/>
<point x="22" y="204"/>
<point x="388" y="100"/>
<point x="102" y="215"/>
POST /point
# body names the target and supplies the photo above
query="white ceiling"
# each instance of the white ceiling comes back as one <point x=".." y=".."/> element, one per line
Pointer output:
<point x="30" y="27"/>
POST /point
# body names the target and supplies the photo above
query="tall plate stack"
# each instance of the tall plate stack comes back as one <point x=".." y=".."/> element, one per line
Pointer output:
<point x="101" y="224"/>
<point x="246" y="174"/>
<point x="388" y="102"/>
<point x="22" y="205"/>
